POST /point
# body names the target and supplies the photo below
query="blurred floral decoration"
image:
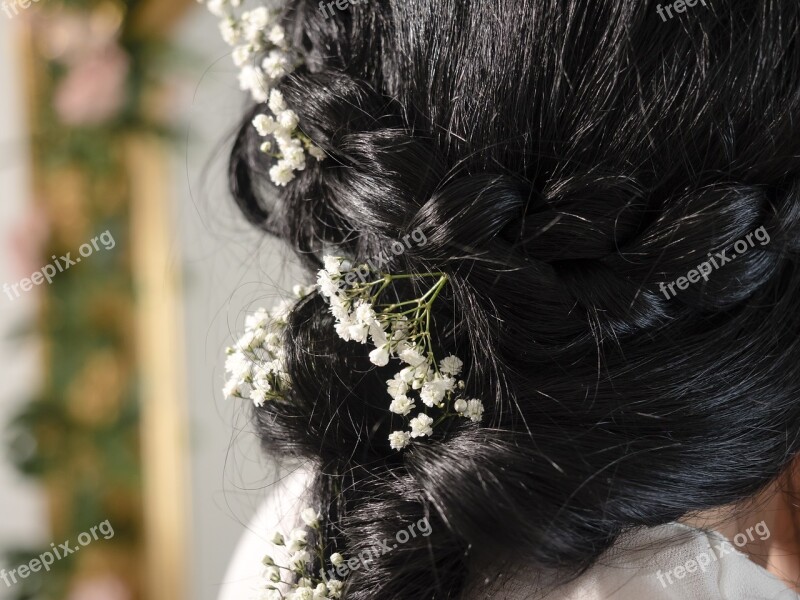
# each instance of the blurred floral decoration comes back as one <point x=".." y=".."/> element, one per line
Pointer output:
<point x="96" y="77"/>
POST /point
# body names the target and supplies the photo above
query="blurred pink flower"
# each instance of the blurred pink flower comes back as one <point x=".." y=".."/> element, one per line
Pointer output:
<point x="106" y="587"/>
<point x="93" y="91"/>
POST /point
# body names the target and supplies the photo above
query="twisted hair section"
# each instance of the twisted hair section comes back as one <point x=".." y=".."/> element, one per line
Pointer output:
<point x="563" y="159"/>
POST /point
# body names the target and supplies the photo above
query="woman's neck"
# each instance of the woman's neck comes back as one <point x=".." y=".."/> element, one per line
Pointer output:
<point x="767" y="530"/>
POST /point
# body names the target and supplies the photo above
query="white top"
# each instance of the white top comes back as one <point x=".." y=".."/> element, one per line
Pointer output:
<point x="671" y="562"/>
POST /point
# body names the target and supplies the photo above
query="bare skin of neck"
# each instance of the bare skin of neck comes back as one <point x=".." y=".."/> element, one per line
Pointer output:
<point x="778" y="549"/>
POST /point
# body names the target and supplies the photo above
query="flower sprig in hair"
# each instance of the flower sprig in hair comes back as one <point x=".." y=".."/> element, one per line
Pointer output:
<point x="302" y="583"/>
<point x="256" y="363"/>
<point x="399" y="331"/>
<point x="254" y="34"/>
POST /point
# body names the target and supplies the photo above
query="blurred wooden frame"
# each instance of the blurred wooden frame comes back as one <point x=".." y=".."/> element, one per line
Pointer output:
<point x="160" y="354"/>
<point x="156" y="270"/>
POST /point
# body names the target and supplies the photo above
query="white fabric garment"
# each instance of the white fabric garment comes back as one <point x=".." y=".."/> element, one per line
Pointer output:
<point x="642" y="566"/>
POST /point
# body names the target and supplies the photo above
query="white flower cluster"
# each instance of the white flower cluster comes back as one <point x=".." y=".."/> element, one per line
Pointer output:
<point x="399" y="331"/>
<point x="307" y="586"/>
<point x="252" y="34"/>
<point x="291" y="143"/>
<point x="256" y="363"/>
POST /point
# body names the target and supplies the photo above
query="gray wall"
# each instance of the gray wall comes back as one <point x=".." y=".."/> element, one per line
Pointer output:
<point x="228" y="268"/>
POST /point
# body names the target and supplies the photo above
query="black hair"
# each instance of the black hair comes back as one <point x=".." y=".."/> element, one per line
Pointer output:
<point x="566" y="160"/>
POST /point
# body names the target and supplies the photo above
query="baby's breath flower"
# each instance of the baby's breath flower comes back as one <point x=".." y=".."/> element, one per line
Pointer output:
<point x="402" y="405"/>
<point x="317" y="152"/>
<point x="335" y="588"/>
<point x="282" y="173"/>
<point x="380" y="356"/>
<point x="302" y="593"/>
<point x="271" y="594"/>
<point x="272" y="573"/>
<point x="310" y="517"/>
<point x="474" y="410"/>
<point x="299" y="560"/>
<point x="451" y="365"/>
<point x="277" y="539"/>
<point x="421" y="425"/>
<point x="320" y="592"/>
<point x="399" y="439"/>
<point x="337" y="559"/>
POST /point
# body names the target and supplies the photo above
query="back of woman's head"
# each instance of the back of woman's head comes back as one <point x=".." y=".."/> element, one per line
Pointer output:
<point x="615" y="197"/>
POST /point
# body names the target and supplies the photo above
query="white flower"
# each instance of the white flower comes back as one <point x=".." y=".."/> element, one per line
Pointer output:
<point x="266" y="147"/>
<point x="272" y="573"/>
<point x="282" y="173"/>
<point x="333" y="264"/>
<point x="328" y="285"/>
<point x="412" y="357"/>
<point x="239" y="366"/>
<point x="298" y="560"/>
<point x="365" y="313"/>
<point x="232" y="389"/>
<point x="259" y="395"/>
<point x="271" y="595"/>
<point x="218" y="8"/>
<point x="460" y="406"/>
<point x="396" y="387"/>
<point x="433" y="392"/>
<point x="281" y="311"/>
<point x="474" y="410"/>
<point x="254" y="22"/>
<point x="265" y="125"/>
<point x="242" y="54"/>
<point x="252" y="79"/>
<point x="380" y="356"/>
<point x="288" y="119"/>
<point x="378" y="335"/>
<point x="277" y="539"/>
<point x="268" y="561"/>
<point x="229" y="31"/>
<point x="301" y="291"/>
<point x="451" y="365"/>
<point x="298" y="539"/>
<point x="337" y="559"/>
<point x="310" y="517"/>
<point x="294" y="155"/>
<point x="258" y="319"/>
<point x="401" y="405"/>
<point x="335" y="588"/>
<point x="406" y="375"/>
<point x="421" y="425"/>
<point x="397" y="441"/>
<point x="277" y="36"/>
<point x="316" y="152"/>
<point x="343" y="330"/>
<point x="302" y="593"/>
<point x="320" y="592"/>
<point x="276" y="102"/>
<point x="276" y="64"/>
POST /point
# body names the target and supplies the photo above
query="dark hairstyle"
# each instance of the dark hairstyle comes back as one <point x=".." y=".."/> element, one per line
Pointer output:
<point x="563" y="158"/>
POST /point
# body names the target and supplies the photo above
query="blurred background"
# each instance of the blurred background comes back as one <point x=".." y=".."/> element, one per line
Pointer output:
<point x="125" y="272"/>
